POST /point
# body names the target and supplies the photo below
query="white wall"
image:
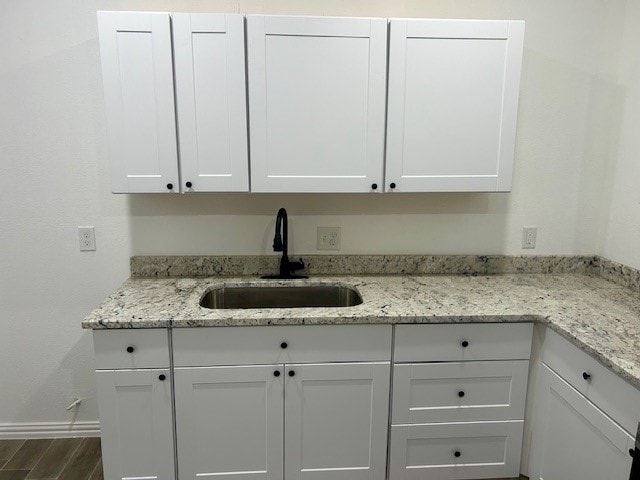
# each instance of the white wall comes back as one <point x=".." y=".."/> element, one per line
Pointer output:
<point x="621" y="239"/>
<point x="53" y="163"/>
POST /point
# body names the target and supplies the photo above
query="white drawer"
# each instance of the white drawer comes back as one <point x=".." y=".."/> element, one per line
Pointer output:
<point x="131" y="348"/>
<point x="461" y="342"/>
<point x="617" y="398"/>
<point x="459" y="391"/>
<point x="486" y="450"/>
<point x="264" y="345"/>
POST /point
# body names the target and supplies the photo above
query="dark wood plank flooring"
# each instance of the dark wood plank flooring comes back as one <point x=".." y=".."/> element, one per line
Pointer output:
<point x="51" y="459"/>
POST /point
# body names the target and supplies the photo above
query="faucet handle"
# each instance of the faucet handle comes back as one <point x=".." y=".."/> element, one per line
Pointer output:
<point x="296" y="265"/>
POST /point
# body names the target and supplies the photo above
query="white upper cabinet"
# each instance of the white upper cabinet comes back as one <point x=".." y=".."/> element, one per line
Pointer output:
<point x="211" y="102"/>
<point x="452" y="106"/>
<point x="316" y="103"/>
<point x="137" y="71"/>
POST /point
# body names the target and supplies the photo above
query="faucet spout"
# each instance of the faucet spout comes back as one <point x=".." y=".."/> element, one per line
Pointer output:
<point x="281" y="244"/>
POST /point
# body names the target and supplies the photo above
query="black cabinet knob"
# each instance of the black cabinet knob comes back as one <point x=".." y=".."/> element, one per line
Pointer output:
<point x="170" y="186"/>
<point x="189" y="184"/>
<point x="374" y="186"/>
<point x="130" y="349"/>
<point x="292" y="373"/>
<point x="586" y="376"/>
<point x="456" y="454"/>
<point x="284" y="345"/>
<point x="392" y="185"/>
<point x="461" y="394"/>
<point x="162" y="377"/>
<point x="464" y="344"/>
<point x="276" y="373"/>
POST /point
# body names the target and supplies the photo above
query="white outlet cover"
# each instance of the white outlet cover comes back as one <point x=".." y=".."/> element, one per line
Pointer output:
<point x="529" y="237"/>
<point x="87" y="239"/>
<point x="328" y="238"/>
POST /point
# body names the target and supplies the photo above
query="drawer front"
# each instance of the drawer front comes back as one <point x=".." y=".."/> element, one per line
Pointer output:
<point x="486" y="450"/>
<point x="617" y="398"/>
<point x="459" y="391"/>
<point x="130" y="348"/>
<point x="461" y="342"/>
<point x="264" y="345"/>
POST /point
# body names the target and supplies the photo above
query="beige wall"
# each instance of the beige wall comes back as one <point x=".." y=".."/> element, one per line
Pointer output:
<point x="52" y="147"/>
<point x="621" y="238"/>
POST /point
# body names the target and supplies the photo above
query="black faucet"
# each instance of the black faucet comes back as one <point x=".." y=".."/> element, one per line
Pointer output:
<point x="281" y="244"/>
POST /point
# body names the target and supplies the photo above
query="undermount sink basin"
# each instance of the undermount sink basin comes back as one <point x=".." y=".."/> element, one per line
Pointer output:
<point x="268" y="296"/>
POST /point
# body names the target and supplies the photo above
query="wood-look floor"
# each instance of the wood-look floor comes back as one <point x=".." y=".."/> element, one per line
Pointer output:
<point x="51" y="459"/>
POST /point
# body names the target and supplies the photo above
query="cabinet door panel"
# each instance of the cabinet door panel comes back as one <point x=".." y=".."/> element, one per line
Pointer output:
<point x="453" y="96"/>
<point x="336" y="421"/>
<point x="137" y="72"/>
<point x="604" y="388"/>
<point x="572" y="438"/>
<point x="485" y="450"/>
<point x="211" y="101"/>
<point x="317" y="90"/>
<point x="431" y="392"/>
<point x="229" y="422"/>
<point x="136" y="424"/>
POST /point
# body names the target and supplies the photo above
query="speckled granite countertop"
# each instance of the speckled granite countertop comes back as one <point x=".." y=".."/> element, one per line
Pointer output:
<point x="598" y="316"/>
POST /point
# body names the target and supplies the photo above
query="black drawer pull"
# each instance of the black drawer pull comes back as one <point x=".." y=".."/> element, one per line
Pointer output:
<point x="586" y="376"/>
<point x="464" y="344"/>
<point x="276" y="373"/>
<point x="284" y="345"/>
<point x="130" y="349"/>
<point x="456" y="454"/>
<point x="162" y="377"/>
<point x="461" y="393"/>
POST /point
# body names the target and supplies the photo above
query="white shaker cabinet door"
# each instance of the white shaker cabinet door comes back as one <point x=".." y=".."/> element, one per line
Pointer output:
<point x="229" y="422"/>
<point x="136" y="424"/>
<point x="316" y="103"/>
<point x="137" y="73"/>
<point x="572" y="438"/>
<point x="336" y="421"/>
<point x="211" y="102"/>
<point x="453" y="101"/>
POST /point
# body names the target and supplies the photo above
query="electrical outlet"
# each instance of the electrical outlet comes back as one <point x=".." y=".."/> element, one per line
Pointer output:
<point x="87" y="238"/>
<point x="529" y="236"/>
<point x="328" y="238"/>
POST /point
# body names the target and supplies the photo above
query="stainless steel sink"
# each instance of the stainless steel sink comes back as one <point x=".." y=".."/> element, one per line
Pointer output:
<point x="269" y="296"/>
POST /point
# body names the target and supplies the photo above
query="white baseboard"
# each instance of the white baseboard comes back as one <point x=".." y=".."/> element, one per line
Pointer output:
<point x="49" y="430"/>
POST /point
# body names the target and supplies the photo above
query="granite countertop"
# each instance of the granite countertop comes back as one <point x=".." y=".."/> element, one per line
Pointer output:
<point x="598" y="316"/>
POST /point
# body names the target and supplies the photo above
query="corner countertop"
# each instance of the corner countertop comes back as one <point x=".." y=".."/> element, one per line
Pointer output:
<point x="598" y="316"/>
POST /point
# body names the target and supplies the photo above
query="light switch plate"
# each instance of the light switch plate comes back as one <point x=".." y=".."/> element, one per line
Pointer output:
<point x="328" y="238"/>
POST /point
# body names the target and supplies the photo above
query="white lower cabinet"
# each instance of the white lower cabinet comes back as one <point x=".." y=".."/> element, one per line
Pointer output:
<point x="461" y="418"/>
<point x="229" y="422"/>
<point x="335" y="421"/>
<point x="312" y="403"/>
<point x="300" y="421"/>
<point x="444" y="451"/>
<point x="459" y="391"/>
<point x="573" y="438"/>
<point x="136" y="424"/>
